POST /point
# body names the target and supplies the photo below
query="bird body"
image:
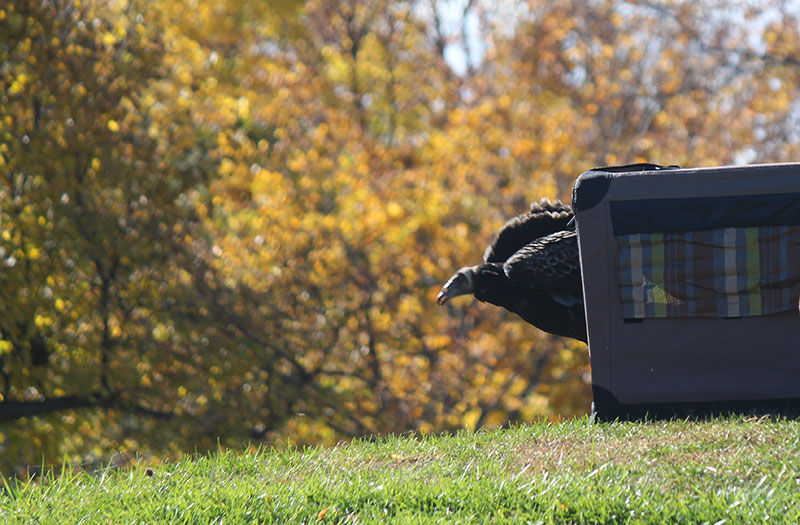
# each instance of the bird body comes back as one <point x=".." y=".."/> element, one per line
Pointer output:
<point x="531" y="269"/>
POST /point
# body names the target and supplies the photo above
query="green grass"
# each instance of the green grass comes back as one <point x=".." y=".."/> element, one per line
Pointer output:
<point x="739" y="470"/>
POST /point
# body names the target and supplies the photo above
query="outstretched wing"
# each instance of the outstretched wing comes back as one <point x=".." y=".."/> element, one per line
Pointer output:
<point x="544" y="218"/>
<point x="550" y="264"/>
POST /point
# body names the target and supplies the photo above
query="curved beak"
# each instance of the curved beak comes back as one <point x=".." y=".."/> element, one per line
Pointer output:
<point x="459" y="284"/>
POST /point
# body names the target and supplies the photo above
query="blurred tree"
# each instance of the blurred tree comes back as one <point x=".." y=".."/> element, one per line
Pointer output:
<point x="229" y="220"/>
<point x="95" y="199"/>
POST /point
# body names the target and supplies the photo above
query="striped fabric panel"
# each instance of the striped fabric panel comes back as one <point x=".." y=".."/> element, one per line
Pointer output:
<point x="724" y="272"/>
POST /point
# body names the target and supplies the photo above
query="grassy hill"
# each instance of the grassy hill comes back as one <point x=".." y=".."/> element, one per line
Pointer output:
<point x="739" y="470"/>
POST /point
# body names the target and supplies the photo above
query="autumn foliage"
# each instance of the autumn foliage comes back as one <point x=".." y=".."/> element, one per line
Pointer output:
<point x="226" y="221"/>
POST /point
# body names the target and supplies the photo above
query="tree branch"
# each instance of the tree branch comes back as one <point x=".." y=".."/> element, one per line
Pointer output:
<point x="10" y="410"/>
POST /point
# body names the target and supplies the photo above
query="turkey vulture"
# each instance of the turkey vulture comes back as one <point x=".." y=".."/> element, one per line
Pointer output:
<point x="531" y="269"/>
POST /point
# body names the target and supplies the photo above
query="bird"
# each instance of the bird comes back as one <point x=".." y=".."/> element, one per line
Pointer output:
<point x="532" y="269"/>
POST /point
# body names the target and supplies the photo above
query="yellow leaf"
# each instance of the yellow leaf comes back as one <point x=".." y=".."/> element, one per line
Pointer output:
<point x="42" y="321"/>
<point x="113" y="126"/>
<point x="18" y="85"/>
<point x="394" y="210"/>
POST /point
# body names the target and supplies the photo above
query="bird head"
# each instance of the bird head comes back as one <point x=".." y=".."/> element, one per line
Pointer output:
<point x="461" y="283"/>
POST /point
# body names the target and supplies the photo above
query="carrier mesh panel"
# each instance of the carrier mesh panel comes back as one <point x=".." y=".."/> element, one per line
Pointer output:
<point x="722" y="272"/>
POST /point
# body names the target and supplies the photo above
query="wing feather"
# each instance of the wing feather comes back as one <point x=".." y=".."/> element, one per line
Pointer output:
<point x="550" y="264"/>
<point x="544" y="218"/>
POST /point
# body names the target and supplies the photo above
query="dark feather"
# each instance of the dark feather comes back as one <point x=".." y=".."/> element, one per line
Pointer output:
<point x="531" y="269"/>
<point x="544" y="218"/>
<point x="549" y="263"/>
